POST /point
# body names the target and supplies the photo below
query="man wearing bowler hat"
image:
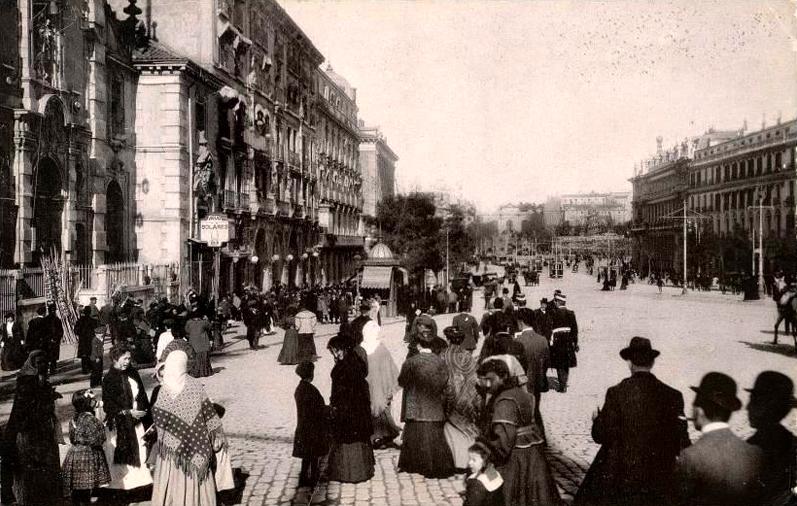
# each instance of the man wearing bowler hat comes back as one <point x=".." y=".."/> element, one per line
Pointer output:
<point x="720" y="468"/>
<point x="771" y="399"/>
<point x="641" y="428"/>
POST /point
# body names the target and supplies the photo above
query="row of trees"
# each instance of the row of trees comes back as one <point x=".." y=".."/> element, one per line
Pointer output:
<point x="416" y="232"/>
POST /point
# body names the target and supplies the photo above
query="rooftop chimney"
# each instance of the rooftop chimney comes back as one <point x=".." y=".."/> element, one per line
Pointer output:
<point x="659" y="140"/>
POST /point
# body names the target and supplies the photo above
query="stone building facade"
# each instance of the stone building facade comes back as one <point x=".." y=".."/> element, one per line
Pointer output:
<point x="727" y="179"/>
<point x="660" y="189"/>
<point x="227" y="125"/>
<point x="340" y="181"/>
<point x="378" y="168"/>
<point x="67" y="145"/>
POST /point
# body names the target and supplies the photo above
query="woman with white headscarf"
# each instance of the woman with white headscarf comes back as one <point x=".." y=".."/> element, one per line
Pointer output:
<point x="382" y="385"/>
<point x="189" y="433"/>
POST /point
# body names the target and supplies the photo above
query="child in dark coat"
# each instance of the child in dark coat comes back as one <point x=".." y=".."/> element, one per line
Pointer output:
<point x="483" y="487"/>
<point x="85" y="467"/>
<point x="311" y="440"/>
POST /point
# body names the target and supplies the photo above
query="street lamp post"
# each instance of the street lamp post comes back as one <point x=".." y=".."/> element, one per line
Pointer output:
<point x="357" y="259"/>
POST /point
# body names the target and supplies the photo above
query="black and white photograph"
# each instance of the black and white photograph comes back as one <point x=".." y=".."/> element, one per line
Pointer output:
<point x="398" y="252"/>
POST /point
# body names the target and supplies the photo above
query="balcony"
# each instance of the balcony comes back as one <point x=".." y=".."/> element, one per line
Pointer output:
<point x="230" y="201"/>
<point x="284" y="208"/>
<point x="278" y="154"/>
<point x="243" y="202"/>
<point x="293" y="158"/>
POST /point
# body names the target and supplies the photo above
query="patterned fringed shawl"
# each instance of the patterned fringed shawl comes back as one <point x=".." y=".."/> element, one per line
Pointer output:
<point x="187" y="425"/>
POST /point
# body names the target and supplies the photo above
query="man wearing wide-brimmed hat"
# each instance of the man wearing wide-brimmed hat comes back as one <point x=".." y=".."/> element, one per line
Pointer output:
<point x="720" y="468"/>
<point x="771" y="399"/>
<point x="641" y="428"/>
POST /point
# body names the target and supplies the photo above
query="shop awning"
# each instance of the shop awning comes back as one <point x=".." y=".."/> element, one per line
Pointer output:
<point x="377" y="276"/>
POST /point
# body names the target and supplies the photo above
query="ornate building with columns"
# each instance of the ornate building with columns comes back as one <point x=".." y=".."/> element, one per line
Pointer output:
<point x="67" y="142"/>
<point x="227" y="126"/>
<point x="340" y="181"/>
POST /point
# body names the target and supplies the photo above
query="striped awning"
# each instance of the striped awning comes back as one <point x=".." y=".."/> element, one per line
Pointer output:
<point x="377" y="276"/>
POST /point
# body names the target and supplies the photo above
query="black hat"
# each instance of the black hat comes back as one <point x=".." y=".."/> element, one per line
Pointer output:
<point x="365" y="306"/>
<point x="719" y="389"/>
<point x="544" y="300"/>
<point x="453" y="332"/>
<point x="775" y="386"/>
<point x="639" y="348"/>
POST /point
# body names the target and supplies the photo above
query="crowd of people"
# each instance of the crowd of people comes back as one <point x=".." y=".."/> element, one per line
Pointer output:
<point x="124" y="440"/>
<point x="463" y="412"/>
<point x="485" y="408"/>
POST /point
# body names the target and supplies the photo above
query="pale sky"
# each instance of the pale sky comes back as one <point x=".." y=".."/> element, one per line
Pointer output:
<point x="519" y="100"/>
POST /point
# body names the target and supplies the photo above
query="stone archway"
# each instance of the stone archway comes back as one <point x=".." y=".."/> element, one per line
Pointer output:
<point x="48" y="204"/>
<point x="114" y="223"/>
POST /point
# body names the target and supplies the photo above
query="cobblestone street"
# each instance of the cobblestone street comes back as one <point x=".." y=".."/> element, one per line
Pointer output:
<point x="695" y="334"/>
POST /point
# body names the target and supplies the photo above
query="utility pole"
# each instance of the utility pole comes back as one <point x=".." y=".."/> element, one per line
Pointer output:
<point x="685" y="241"/>
<point x="448" y="277"/>
<point x="685" y="215"/>
<point x="760" y="207"/>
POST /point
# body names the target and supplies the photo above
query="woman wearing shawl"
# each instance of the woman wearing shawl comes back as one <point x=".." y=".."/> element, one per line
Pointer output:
<point x="189" y="433"/>
<point x="351" y="458"/>
<point x="289" y="353"/>
<point x="462" y="399"/>
<point x="127" y="416"/>
<point x="34" y="432"/>
<point x="382" y="385"/>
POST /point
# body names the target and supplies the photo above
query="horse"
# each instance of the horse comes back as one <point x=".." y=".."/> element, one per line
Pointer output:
<point x="787" y="311"/>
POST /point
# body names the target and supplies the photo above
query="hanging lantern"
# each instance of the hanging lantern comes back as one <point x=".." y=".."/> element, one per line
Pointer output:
<point x="275" y="258"/>
<point x="254" y="259"/>
<point x="289" y="258"/>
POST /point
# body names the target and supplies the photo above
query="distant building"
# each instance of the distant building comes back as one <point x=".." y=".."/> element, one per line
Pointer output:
<point x="553" y="212"/>
<point x="378" y="168"/>
<point x="510" y="218"/>
<point x="583" y="209"/>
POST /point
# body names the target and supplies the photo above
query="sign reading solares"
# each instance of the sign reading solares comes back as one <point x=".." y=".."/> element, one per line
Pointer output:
<point x="214" y="230"/>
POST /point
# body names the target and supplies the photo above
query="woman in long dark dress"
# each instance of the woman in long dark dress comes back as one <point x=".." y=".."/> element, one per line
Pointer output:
<point x="289" y="354"/>
<point x="12" y="355"/>
<point x="33" y="429"/>
<point x="197" y="330"/>
<point x="424" y="377"/>
<point x="351" y="458"/>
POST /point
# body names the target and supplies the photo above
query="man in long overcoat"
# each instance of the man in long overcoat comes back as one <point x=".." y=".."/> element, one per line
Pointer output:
<point x="641" y="428"/>
<point x="564" y="340"/>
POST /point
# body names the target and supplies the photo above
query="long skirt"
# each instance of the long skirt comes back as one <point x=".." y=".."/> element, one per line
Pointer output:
<point x="385" y="429"/>
<point x="173" y="486"/>
<point x="123" y="476"/>
<point x="85" y="468"/>
<point x="306" y="347"/>
<point x="459" y="442"/>
<point x="351" y="462"/>
<point x="202" y="366"/>
<point x="422" y="451"/>
<point x="37" y="473"/>
<point x="528" y="480"/>
<point x="12" y="357"/>
<point x="289" y="354"/>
